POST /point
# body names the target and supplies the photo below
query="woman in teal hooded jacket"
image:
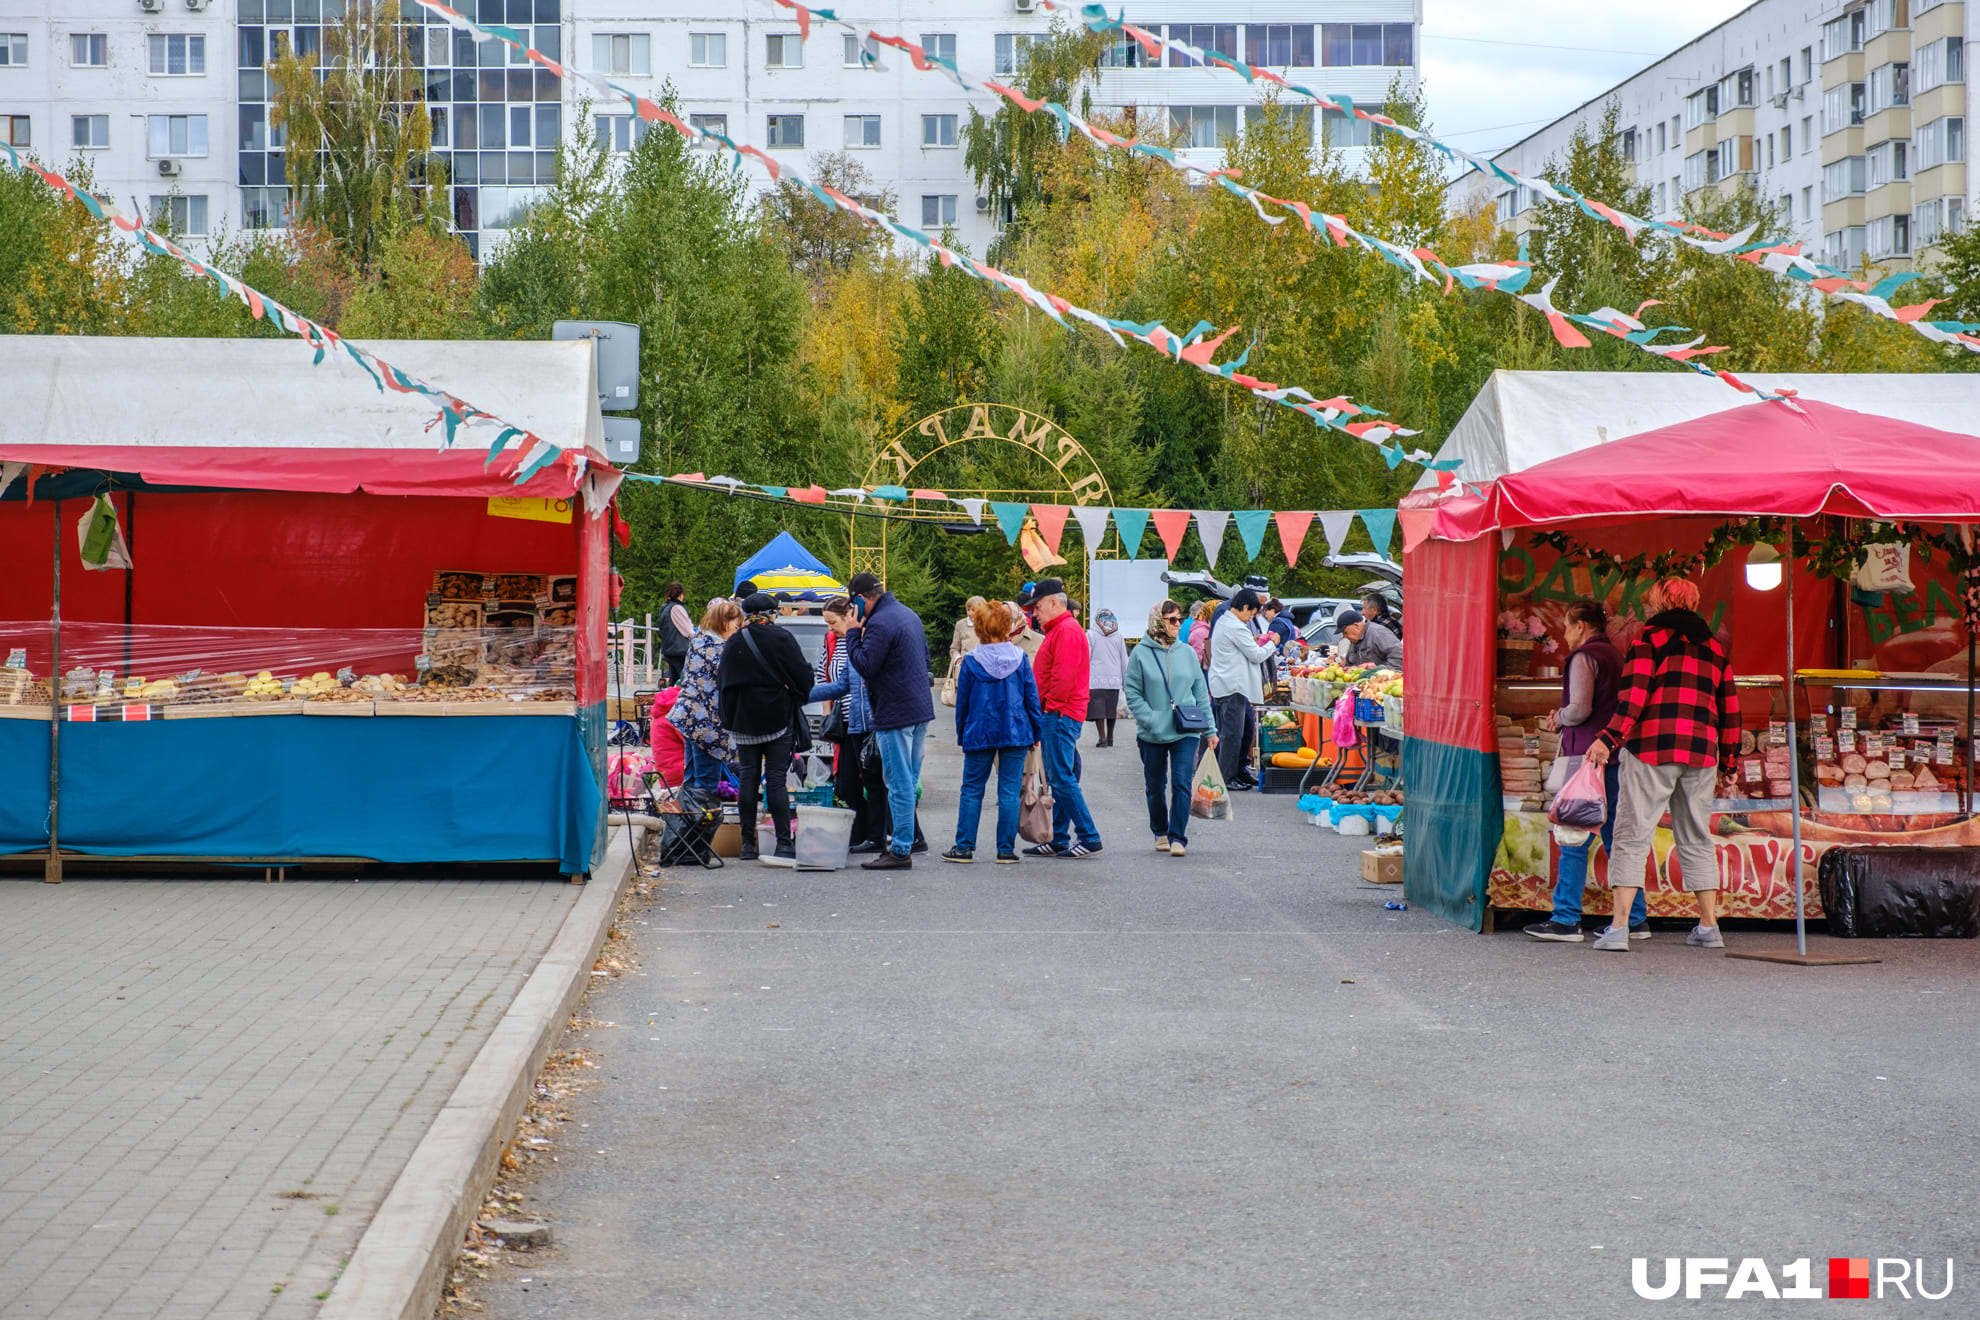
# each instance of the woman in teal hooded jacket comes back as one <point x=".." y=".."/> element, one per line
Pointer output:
<point x="1163" y="673"/>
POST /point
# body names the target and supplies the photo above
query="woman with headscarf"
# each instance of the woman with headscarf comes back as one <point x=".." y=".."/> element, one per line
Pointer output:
<point x="697" y="713"/>
<point x="1161" y="675"/>
<point x="1106" y="663"/>
<point x="765" y="682"/>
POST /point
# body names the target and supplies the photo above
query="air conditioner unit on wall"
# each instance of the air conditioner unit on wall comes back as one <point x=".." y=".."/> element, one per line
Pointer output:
<point x="197" y="5"/>
<point x="168" y="168"/>
<point x="1027" y="6"/>
<point x="152" y="6"/>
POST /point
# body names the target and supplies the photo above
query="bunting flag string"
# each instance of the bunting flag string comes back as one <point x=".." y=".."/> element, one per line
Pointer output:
<point x="1051" y="523"/>
<point x="1783" y="259"/>
<point x="1131" y="524"/>
<point x="1509" y="278"/>
<point x="531" y="455"/>
<point x="1210" y="525"/>
<point x="1195" y="348"/>
<point x="1251" y="529"/>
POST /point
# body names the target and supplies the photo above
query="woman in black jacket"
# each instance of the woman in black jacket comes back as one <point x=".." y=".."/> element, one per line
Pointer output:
<point x="764" y="680"/>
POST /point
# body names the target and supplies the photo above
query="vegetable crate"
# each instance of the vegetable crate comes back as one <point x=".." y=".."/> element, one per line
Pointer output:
<point x="1284" y="738"/>
<point x="1367" y="711"/>
<point x="819" y="796"/>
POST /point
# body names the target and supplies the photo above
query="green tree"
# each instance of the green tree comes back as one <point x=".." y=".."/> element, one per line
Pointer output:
<point x="1007" y="152"/>
<point x="818" y="239"/>
<point x="944" y="341"/>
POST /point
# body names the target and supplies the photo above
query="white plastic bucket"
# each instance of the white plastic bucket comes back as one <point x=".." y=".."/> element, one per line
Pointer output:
<point x="824" y="834"/>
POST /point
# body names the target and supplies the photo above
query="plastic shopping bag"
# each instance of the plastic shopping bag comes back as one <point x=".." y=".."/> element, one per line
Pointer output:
<point x="1583" y="803"/>
<point x="1209" y="798"/>
<point x="1344" y="734"/>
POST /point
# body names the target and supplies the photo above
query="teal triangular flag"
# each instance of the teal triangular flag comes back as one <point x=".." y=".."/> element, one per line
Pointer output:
<point x="1010" y="517"/>
<point x="890" y="492"/>
<point x="774" y="492"/>
<point x="1381" y="524"/>
<point x="1251" y="525"/>
<point x="1130" y="523"/>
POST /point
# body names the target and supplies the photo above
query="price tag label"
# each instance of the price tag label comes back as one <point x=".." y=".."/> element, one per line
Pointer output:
<point x="1849" y="717"/>
<point x="1909" y="724"/>
<point x="1531" y="744"/>
<point x="1825" y="747"/>
<point x="422" y="661"/>
<point x="1755" y="771"/>
<point x="346" y="675"/>
<point x="17" y="658"/>
<point x="1942" y="755"/>
<point x="1846" y="740"/>
<point x="1873" y="744"/>
<point x="1776" y="733"/>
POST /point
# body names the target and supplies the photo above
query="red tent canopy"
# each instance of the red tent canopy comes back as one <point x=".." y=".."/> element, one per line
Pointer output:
<point x="1762" y="459"/>
<point x="377" y="471"/>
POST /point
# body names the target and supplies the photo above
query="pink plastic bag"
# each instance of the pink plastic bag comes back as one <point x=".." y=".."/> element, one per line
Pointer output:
<point x="1583" y="802"/>
<point x="1344" y="734"/>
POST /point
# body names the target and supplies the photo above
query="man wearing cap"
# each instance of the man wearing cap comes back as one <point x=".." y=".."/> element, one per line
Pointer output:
<point x="1238" y="657"/>
<point x="1063" y="668"/>
<point x="889" y="648"/>
<point x="1368" y="643"/>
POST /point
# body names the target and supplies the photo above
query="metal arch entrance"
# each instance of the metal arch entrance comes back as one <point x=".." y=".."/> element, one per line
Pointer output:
<point x="896" y="463"/>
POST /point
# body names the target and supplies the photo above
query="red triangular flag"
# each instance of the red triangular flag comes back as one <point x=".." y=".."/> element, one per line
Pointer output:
<point x="1417" y="524"/>
<point x="1292" y="531"/>
<point x="1171" y="524"/>
<point x="678" y="476"/>
<point x="621" y="529"/>
<point x="809" y="495"/>
<point x="927" y="495"/>
<point x="1051" y="522"/>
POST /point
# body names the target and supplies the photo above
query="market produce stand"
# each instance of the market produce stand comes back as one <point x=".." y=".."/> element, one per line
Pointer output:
<point x="1500" y="561"/>
<point x="336" y="641"/>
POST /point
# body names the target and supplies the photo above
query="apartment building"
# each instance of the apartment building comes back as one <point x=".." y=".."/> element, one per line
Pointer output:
<point x="1851" y="115"/>
<point x="168" y="100"/>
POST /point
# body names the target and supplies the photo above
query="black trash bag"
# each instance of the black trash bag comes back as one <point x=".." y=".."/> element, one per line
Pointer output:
<point x="1922" y="893"/>
<point x="688" y="837"/>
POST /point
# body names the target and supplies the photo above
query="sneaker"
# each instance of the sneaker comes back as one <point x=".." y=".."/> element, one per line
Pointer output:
<point x="1042" y="850"/>
<point x="1178" y="850"/>
<point x="1612" y="940"/>
<point x="1554" y="930"/>
<point x="1078" y="850"/>
<point x="962" y="855"/>
<point x="1161" y="843"/>
<point x="1640" y="932"/>
<point x="1705" y="937"/>
<point x="920" y="847"/>
<point x="889" y="861"/>
<point x="1006" y="857"/>
<point x="785" y="855"/>
<point x="870" y="846"/>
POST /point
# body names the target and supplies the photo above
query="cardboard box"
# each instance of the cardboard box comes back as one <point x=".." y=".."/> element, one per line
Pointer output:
<point x="1382" y="868"/>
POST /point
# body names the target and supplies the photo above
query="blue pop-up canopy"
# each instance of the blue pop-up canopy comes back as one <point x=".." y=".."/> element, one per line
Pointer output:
<point x="785" y="568"/>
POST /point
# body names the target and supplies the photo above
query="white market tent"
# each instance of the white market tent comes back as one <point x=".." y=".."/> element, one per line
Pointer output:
<point x="1522" y="418"/>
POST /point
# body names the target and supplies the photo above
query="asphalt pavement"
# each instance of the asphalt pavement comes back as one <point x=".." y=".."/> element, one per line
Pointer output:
<point x="1228" y="1085"/>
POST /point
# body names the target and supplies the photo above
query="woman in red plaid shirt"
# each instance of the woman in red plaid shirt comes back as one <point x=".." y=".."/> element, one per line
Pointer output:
<point x="1676" y="727"/>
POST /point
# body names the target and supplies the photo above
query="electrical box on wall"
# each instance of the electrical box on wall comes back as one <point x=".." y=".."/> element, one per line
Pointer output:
<point x="622" y="441"/>
<point x="617" y="356"/>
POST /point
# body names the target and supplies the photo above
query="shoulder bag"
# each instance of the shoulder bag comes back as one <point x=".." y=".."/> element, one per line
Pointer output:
<point x="1191" y="721"/>
<point x="800" y="726"/>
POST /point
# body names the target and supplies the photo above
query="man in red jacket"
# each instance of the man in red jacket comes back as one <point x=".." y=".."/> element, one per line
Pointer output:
<point x="1063" y="667"/>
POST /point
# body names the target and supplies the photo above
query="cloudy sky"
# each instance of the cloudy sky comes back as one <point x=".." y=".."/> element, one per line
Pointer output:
<point x="1498" y="69"/>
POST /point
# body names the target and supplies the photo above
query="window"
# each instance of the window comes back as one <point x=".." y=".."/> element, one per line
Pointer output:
<point x="619" y="134"/>
<point x="1701" y="107"/>
<point x="1343" y="44"/>
<point x="1844" y="247"/>
<point x="1807" y="134"/>
<point x="1220" y="37"/>
<point x="1842" y="35"/>
<point x="786" y="130"/>
<point x="1883" y="16"/>
<point x="1807" y="64"/>
<point x="1205" y="125"/>
<point x="1888" y="236"/>
<point x="175" y="55"/>
<point x="1787" y="76"/>
<point x="1341" y="130"/>
<point x="1657" y="200"/>
<point x="90" y="132"/>
<point x="1787" y="142"/>
<point x="706" y="123"/>
<point x="1938" y="63"/>
<point x="1843" y="107"/>
<point x="863" y="130"/>
<point x="1770" y="151"/>
<point x="178" y="214"/>
<point x="940" y="45"/>
<point x="1886" y="163"/>
<point x="1939" y="218"/>
<point x="1279" y="45"/>
<point x="1890" y="85"/>
<point x="1011" y="48"/>
<point x="89" y="50"/>
<point x="784" y="50"/>
<point x="708" y="50"/>
<point x="1663" y="137"/>
<point x="13" y="49"/>
<point x="938" y="130"/>
<point x="1735" y="156"/>
<point x="1736" y="89"/>
<point x="1300" y="115"/>
<point x="268" y="208"/>
<point x="1941" y="142"/>
<point x="1808" y="202"/>
<point x="629" y="54"/>
<point x="1124" y="53"/>
<point x="1626" y="144"/>
<point x="937" y="212"/>
<point x="1701" y="169"/>
<point x="852" y="55"/>
<point x="177" y="135"/>
<point x="1843" y="178"/>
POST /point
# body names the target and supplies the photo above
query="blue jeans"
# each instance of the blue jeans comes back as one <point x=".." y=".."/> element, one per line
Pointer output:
<point x="1070" y="817"/>
<point x="1574" y="863"/>
<point x="1010" y="782"/>
<point x="703" y="771"/>
<point x="1166" y="772"/>
<point x="900" y="765"/>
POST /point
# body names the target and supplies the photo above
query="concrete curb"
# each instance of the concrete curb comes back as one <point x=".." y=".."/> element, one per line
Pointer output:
<point x="401" y="1262"/>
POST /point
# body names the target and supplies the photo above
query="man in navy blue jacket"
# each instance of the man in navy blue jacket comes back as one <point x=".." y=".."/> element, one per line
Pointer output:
<point x="889" y="648"/>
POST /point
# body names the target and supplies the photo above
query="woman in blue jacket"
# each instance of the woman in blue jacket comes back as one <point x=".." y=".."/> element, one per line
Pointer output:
<point x="856" y="779"/>
<point x="998" y="718"/>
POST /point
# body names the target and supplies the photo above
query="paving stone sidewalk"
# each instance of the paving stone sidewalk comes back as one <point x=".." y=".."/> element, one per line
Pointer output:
<point x="213" y="1084"/>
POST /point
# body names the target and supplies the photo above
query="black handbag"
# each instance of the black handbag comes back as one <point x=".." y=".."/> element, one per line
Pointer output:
<point x="1191" y="721"/>
<point x="800" y="727"/>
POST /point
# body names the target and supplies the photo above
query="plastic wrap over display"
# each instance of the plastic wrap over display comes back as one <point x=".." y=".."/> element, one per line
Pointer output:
<point x="1932" y="893"/>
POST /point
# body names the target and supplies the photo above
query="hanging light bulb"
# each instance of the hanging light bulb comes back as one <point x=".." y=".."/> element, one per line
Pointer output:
<point x="1763" y="568"/>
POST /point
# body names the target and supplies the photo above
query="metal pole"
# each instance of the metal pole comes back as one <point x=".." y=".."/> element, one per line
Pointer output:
<point x="52" y="869"/>
<point x="1794" y="765"/>
<point x="1966" y="780"/>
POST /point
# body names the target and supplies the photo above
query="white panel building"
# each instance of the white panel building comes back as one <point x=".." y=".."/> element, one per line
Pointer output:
<point x="1852" y="115"/>
<point x="167" y="100"/>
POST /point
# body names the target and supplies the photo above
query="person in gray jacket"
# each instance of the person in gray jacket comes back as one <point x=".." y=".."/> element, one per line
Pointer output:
<point x="1162" y="674"/>
<point x="1368" y="643"/>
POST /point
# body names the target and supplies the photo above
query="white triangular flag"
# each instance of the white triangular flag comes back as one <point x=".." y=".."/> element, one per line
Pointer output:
<point x="974" y="508"/>
<point x="1335" y="522"/>
<point x="1092" y="526"/>
<point x="1210" y="525"/>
